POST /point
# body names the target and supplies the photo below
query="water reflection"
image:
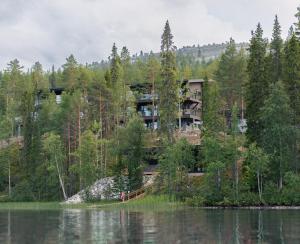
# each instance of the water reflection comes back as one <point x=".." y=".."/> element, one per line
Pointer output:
<point x="180" y="226"/>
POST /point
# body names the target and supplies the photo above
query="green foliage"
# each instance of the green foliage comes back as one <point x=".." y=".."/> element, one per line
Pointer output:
<point x="70" y="73"/>
<point x="297" y="24"/>
<point x="88" y="169"/>
<point x="231" y="74"/>
<point x="175" y="162"/>
<point x="291" y="75"/>
<point x="168" y="90"/>
<point x="258" y="162"/>
<point x="257" y="86"/>
<point x="276" y="46"/>
<point x="291" y="191"/>
<point x="279" y="132"/>
<point x="129" y="146"/>
<point x="94" y="133"/>
<point x="54" y="152"/>
<point x="213" y="121"/>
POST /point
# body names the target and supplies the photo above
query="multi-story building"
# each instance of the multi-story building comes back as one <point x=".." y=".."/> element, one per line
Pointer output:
<point x="189" y="107"/>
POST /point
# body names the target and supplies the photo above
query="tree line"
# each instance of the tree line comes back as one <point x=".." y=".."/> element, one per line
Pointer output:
<point x="95" y="131"/>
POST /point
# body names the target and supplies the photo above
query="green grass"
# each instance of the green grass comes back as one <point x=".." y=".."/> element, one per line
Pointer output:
<point x="47" y="205"/>
<point x="29" y="205"/>
<point x="149" y="202"/>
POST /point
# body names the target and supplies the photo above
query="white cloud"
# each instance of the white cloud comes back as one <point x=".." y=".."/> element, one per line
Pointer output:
<point x="49" y="31"/>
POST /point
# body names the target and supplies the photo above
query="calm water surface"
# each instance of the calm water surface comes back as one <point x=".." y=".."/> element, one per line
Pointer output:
<point x="122" y="226"/>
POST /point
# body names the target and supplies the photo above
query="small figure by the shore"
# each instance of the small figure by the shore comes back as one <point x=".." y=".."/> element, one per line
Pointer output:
<point x="122" y="196"/>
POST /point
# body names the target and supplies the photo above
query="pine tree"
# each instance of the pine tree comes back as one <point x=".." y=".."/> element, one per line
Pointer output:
<point x="52" y="78"/>
<point x="70" y="72"/>
<point x="125" y="56"/>
<point x="231" y="74"/>
<point x="297" y="24"/>
<point x="276" y="53"/>
<point x="257" y="86"/>
<point x="115" y="65"/>
<point x="168" y="90"/>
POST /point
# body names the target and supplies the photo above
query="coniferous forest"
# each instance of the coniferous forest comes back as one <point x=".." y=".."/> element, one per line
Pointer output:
<point x="63" y="129"/>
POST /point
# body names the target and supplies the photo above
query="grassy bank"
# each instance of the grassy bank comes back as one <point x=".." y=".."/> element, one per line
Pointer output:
<point x="29" y="205"/>
<point x="149" y="202"/>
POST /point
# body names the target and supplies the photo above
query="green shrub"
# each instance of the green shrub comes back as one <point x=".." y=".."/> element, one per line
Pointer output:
<point x="249" y="199"/>
<point x="271" y="194"/>
<point x="22" y="192"/>
<point x="291" y="190"/>
<point x="195" y="201"/>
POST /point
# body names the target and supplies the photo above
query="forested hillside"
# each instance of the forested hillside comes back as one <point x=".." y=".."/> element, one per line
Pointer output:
<point x="78" y="123"/>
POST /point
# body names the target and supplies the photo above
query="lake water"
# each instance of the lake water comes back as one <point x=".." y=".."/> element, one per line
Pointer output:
<point x="173" y="226"/>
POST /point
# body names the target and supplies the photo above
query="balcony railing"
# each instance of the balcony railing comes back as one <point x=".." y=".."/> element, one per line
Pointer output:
<point x="191" y="112"/>
<point x="147" y="113"/>
<point x="147" y="97"/>
<point x="194" y="95"/>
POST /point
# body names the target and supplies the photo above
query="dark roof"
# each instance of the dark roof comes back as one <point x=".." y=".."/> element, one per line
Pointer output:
<point x="57" y="90"/>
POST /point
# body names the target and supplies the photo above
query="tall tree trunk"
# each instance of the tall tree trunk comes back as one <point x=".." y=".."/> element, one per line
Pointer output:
<point x="101" y="134"/>
<point x="280" y="164"/>
<point x="153" y="101"/>
<point x="60" y="178"/>
<point x="9" y="180"/>
<point x="79" y="146"/>
<point x="69" y="144"/>
<point x="236" y="180"/>
<point x="219" y="179"/>
<point x="258" y="184"/>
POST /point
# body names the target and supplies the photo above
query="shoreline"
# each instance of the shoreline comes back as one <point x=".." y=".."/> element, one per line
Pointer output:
<point x="279" y="207"/>
<point x="133" y="204"/>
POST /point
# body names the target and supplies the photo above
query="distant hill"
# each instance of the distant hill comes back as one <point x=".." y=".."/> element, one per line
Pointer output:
<point x="207" y="52"/>
<point x="195" y="52"/>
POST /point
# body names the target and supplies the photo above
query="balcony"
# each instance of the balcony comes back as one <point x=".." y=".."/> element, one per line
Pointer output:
<point x="147" y="98"/>
<point x="147" y="113"/>
<point x="191" y="113"/>
<point x="192" y="97"/>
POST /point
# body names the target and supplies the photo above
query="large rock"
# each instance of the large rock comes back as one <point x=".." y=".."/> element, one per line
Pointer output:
<point x="102" y="189"/>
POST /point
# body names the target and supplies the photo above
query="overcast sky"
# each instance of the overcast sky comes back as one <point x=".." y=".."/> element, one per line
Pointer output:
<point x="50" y="30"/>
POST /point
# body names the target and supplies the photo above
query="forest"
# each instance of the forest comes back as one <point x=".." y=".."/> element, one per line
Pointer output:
<point x="54" y="146"/>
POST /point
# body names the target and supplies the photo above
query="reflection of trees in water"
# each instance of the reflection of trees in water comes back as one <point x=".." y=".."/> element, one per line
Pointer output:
<point x="260" y="234"/>
<point x="122" y="226"/>
<point x="25" y="226"/>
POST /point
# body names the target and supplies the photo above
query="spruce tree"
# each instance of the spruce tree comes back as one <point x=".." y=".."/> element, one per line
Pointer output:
<point x="291" y="75"/>
<point x="276" y="52"/>
<point x="297" y="24"/>
<point x="126" y="68"/>
<point x="291" y="78"/>
<point x="168" y="90"/>
<point x="116" y="85"/>
<point x="115" y="65"/>
<point x="291" y="32"/>
<point x="257" y="86"/>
